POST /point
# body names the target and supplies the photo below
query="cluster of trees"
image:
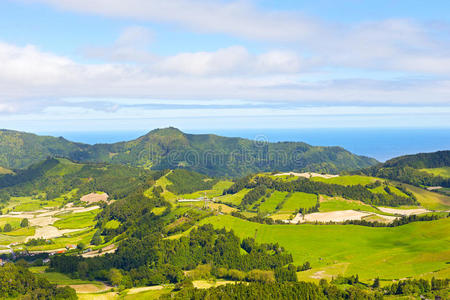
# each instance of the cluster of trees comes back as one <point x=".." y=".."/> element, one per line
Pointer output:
<point x="419" y="287"/>
<point x="186" y="182"/>
<point x="150" y="259"/>
<point x="397" y="222"/>
<point x="277" y="290"/>
<point x="16" y="281"/>
<point x="253" y="195"/>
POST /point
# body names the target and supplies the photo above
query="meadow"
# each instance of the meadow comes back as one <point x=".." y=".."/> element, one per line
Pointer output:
<point x="234" y="199"/>
<point x="348" y="180"/>
<point x="270" y="204"/>
<point x="328" y="204"/>
<point x="443" y="171"/>
<point x="298" y="200"/>
<point x="390" y="253"/>
<point x="77" y="220"/>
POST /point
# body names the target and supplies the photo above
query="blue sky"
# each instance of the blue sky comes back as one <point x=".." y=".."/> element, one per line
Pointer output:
<point x="80" y="65"/>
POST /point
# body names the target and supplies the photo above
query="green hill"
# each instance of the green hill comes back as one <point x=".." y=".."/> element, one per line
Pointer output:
<point x="170" y="148"/>
<point x="423" y="169"/>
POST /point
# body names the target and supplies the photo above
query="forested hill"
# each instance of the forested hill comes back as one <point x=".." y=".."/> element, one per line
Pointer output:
<point x="421" y="160"/>
<point x="423" y="169"/>
<point x="170" y="148"/>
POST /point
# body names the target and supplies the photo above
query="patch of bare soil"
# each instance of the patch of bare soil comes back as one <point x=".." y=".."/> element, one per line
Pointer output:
<point x="90" y="288"/>
<point x="403" y="212"/>
<point x="94" y="198"/>
<point x="307" y="175"/>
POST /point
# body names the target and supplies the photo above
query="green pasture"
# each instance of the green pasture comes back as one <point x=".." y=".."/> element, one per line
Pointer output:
<point x="84" y="236"/>
<point x="113" y="224"/>
<point x="348" y="180"/>
<point x="430" y="200"/>
<point x="298" y="200"/>
<point x="14" y="222"/>
<point x="336" y="203"/>
<point x="271" y="203"/>
<point x="216" y="191"/>
<point x="27" y="231"/>
<point x="389" y="253"/>
<point x="234" y="199"/>
<point x="77" y="220"/>
<point x="443" y="172"/>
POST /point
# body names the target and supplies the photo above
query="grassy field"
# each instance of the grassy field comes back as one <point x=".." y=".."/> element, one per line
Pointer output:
<point x="234" y="199"/>
<point x="336" y="203"/>
<point x="443" y="172"/>
<point x="430" y="200"/>
<point x="113" y="224"/>
<point x="5" y="171"/>
<point x="348" y="180"/>
<point x="84" y="237"/>
<point x="298" y="200"/>
<point x="270" y="204"/>
<point x="216" y="191"/>
<point x="27" y="231"/>
<point x="77" y="221"/>
<point x="390" y="253"/>
<point x="164" y="182"/>
<point x="14" y="222"/>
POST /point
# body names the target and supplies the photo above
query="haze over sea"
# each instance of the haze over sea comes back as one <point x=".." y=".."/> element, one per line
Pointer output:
<point x="382" y="143"/>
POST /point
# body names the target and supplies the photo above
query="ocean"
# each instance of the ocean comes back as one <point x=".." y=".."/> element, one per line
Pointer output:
<point x="382" y="144"/>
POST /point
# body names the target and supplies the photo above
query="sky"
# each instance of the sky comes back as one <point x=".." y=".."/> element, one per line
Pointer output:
<point x="109" y="65"/>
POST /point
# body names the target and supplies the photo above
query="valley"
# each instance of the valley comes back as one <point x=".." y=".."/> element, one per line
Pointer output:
<point x="87" y="222"/>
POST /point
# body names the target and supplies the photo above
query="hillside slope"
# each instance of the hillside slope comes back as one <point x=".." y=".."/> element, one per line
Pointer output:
<point x="170" y="148"/>
<point x="415" y="169"/>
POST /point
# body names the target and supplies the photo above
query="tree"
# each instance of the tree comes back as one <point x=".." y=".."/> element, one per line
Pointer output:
<point x="81" y="246"/>
<point x="115" y="277"/>
<point x="96" y="239"/>
<point x="7" y="228"/>
<point x="376" y="283"/>
<point x="24" y="223"/>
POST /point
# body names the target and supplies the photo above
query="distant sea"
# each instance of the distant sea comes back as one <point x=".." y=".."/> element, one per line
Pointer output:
<point x="381" y="144"/>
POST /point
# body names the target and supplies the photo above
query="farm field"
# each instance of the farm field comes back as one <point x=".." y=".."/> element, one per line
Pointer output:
<point x="270" y="204"/>
<point x="443" y="171"/>
<point x="390" y="253"/>
<point x="347" y="180"/>
<point x="298" y="200"/>
<point x="234" y="199"/>
<point x="216" y="191"/>
<point x="328" y="204"/>
<point x="430" y="200"/>
<point x="76" y="220"/>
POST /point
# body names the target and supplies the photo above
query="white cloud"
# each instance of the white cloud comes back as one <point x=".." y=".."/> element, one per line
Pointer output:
<point x="31" y="80"/>
<point x="394" y="44"/>
<point x="239" y="18"/>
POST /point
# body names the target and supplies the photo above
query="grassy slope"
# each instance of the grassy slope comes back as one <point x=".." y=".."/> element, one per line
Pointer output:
<point x="443" y="172"/>
<point x="77" y="221"/>
<point x="271" y="203"/>
<point x="234" y="199"/>
<point x="5" y="171"/>
<point x="430" y="200"/>
<point x="348" y="180"/>
<point x="390" y="253"/>
<point x="336" y="203"/>
<point x="298" y="200"/>
<point x="215" y="191"/>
